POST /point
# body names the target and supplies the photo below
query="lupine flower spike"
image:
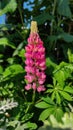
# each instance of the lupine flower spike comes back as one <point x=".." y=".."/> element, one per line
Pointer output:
<point x="35" y="61"/>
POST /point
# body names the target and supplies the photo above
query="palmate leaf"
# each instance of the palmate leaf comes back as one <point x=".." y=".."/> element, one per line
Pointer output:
<point x="49" y="108"/>
<point x="53" y="124"/>
<point x="7" y="6"/>
<point x="56" y="111"/>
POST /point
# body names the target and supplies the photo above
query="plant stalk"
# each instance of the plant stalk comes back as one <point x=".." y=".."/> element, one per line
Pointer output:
<point x="53" y="13"/>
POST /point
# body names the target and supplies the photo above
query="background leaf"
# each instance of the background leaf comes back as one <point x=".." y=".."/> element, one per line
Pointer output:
<point x="63" y="8"/>
<point x="4" y="41"/>
<point x="7" y="6"/>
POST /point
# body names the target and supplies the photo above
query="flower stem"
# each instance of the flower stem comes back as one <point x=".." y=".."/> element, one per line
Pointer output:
<point x="33" y="97"/>
<point x="53" y="13"/>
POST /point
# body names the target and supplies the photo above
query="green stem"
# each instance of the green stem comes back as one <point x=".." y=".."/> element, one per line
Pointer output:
<point x="19" y="33"/>
<point x="33" y="97"/>
<point x="20" y="11"/>
<point x="30" y="106"/>
<point x="53" y="13"/>
<point x="22" y="94"/>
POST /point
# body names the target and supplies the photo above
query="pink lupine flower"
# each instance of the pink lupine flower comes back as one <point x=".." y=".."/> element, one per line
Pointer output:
<point x="35" y="63"/>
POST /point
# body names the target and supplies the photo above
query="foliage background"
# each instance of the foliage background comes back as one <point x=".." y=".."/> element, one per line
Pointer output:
<point x="55" y="23"/>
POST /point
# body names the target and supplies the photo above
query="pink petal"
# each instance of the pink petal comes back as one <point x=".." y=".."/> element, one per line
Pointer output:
<point x="28" y="87"/>
<point x="41" y="88"/>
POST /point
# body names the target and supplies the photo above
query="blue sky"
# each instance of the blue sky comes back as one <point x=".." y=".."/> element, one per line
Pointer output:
<point x="25" y="5"/>
<point x="2" y="19"/>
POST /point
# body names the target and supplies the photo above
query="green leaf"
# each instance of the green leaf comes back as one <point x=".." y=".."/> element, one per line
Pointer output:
<point x="50" y="86"/>
<point x="70" y="55"/>
<point x="7" y="6"/>
<point x="49" y="63"/>
<point x="67" y="37"/>
<point x="13" y="123"/>
<point x="48" y="100"/>
<point x="4" y="41"/>
<point x="27" y="125"/>
<point x="1" y="69"/>
<point x="53" y="95"/>
<point x="21" y="53"/>
<point x="68" y="89"/>
<point x="60" y="77"/>
<point x="42" y="105"/>
<point x="58" y="113"/>
<point x="31" y="125"/>
<point x="52" y="38"/>
<point x="5" y="27"/>
<point x="13" y="70"/>
<point x="45" y="114"/>
<point x="65" y="95"/>
<point x="18" y="49"/>
<point x="62" y="72"/>
<point x="58" y="99"/>
<point x="10" y="60"/>
<point x="42" y="18"/>
<point x="66" y="123"/>
<point x="49" y="91"/>
<point x="63" y="8"/>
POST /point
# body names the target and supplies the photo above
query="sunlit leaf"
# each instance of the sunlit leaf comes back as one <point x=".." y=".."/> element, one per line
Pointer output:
<point x="58" y="98"/>
<point x="65" y="95"/>
<point x="45" y="114"/>
<point x="42" y="105"/>
<point x="7" y="6"/>
<point x="5" y="42"/>
<point x="69" y="89"/>
<point x="13" y="70"/>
